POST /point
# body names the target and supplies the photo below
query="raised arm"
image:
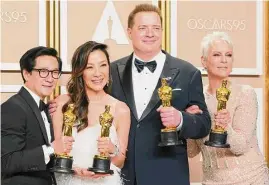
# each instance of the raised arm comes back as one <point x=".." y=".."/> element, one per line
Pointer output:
<point x="123" y="122"/>
<point x="243" y="127"/>
<point x="61" y="143"/>
<point x="57" y="116"/>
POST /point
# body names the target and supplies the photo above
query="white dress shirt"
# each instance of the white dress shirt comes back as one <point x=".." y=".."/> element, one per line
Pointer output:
<point x="48" y="150"/>
<point x="145" y="82"/>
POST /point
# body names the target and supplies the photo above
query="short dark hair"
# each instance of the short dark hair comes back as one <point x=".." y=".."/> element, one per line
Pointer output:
<point x="143" y="8"/>
<point x="28" y="59"/>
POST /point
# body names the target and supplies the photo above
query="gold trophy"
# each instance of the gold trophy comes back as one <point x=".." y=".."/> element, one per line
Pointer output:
<point x="169" y="135"/>
<point x="218" y="135"/>
<point x="62" y="163"/>
<point x="101" y="162"/>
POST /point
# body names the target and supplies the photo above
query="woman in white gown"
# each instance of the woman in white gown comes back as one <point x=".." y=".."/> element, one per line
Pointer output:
<point x="88" y="88"/>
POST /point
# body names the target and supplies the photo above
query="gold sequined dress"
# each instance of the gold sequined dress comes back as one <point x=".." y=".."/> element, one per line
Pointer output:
<point x="243" y="163"/>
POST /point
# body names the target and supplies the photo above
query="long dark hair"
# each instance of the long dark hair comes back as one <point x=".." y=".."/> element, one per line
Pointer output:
<point x="76" y="85"/>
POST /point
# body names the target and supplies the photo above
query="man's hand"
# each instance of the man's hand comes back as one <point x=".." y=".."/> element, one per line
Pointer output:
<point x="194" y="109"/>
<point x="63" y="144"/>
<point x="171" y="117"/>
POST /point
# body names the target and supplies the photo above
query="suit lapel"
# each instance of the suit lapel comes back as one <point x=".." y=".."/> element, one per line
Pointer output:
<point x="167" y="72"/>
<point x="125" y="73"/>
<point x="50" y="122"/>
<point x="31" y="102"/>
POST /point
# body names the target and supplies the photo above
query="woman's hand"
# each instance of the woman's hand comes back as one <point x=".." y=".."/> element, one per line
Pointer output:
<point x="88" y="174"/>
<point x="222" y="118"/>
<point x="105" y="145"/>
<point x="63" y="145"/>
<point x="194" y="109"/>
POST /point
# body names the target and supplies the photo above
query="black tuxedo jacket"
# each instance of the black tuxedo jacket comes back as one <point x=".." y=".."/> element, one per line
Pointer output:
<point x="146" y="163"/>
<point x="23" y="133"/>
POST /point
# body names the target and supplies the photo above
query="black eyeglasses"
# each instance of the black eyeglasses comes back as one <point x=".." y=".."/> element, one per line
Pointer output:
<point x="43" y="73"/>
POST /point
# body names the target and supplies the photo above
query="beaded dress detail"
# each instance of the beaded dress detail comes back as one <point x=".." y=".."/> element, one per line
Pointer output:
<point x="242" y="163"/>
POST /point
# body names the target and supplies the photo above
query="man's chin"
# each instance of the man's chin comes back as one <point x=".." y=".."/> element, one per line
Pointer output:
<point x="47" y="93"/>
<point x="151" y="50"/>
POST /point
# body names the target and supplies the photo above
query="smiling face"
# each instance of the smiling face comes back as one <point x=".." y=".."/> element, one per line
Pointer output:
<point x="146" y="34"/>
<point x="219" y="59"/>
<point x="42" y="86"/>
<point x="96" y="73"/>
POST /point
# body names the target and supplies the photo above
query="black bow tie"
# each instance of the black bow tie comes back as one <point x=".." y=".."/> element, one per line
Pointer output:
<point x="42" y="106"/>
<point x="140" y="65"/>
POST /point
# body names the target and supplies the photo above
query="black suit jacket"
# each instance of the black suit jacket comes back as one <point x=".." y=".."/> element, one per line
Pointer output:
<point x="147" y="163"/>
<point x="23" y="133"/>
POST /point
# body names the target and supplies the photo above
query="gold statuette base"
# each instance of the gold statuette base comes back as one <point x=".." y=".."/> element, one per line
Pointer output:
<point x="169" y="129"/>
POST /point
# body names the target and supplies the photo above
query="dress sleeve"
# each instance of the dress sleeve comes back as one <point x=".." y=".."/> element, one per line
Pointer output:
<point x="192" y="148"/>
<point x="243" y="126"/>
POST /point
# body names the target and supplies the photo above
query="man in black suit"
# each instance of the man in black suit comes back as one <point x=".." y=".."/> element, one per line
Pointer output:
<point x="26" y="130"/>
<point x="136" y="79"/>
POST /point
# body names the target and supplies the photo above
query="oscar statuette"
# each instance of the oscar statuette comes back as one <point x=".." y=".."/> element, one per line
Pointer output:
<point x="169" y="136"/>
<point x="218" y="135"/>
<point x="101" y="162"/>
<point x="62" y="163"/>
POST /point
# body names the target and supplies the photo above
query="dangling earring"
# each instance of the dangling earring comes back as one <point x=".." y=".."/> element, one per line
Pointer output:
<point x="109" y="82"/>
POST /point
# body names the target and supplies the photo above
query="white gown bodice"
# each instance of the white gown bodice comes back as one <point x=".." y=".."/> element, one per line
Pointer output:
<point x="83" y="151"/>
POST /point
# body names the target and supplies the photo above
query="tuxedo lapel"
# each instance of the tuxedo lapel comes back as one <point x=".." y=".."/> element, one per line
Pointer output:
<point x="168" y="72"/>
<point x="125" y="73"/>
<point x="50" y="122"/>
<point x="31" y="102"/>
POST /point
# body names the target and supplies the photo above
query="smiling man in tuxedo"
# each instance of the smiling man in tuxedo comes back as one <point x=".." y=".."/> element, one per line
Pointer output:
<point x="26" y="131"/>
<point x="136" y="79"/>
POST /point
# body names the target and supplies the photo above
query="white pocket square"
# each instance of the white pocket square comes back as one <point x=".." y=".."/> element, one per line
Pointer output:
<point x="167" y="78"/>
<point x="177" y="89"/>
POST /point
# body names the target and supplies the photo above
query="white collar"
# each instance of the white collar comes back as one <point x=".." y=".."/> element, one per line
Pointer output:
<point x="157" y="57"/>
<point x="35" y="96"/>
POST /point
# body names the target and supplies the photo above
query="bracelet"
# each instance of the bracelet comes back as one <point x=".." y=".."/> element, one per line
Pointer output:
<point x="116" y="152"/>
